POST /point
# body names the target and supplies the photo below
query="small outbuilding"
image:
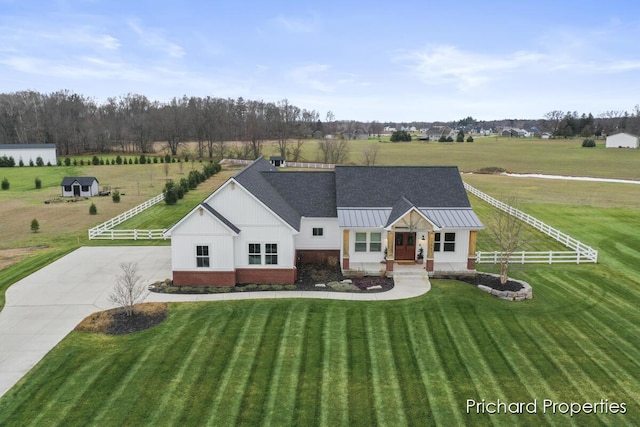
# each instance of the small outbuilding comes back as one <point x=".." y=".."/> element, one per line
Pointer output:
<point x="278" y="161"/>
<point x="29" y="153"/>
<point x="80" y="186"/>
<point x="622" y="140"/>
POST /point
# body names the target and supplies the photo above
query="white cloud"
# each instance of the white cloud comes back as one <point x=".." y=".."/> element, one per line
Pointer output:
<point x="154" y="39"/>
<point x="296" y="24"/>
<point x="310" y="76"/>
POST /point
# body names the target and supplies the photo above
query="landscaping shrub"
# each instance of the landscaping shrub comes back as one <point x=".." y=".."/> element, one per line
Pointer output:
<point x="116" y="196"/>
<point x="92" y="209"/>
<point x="170" y="193"/>
<point x="39" y="161"/>
<point x="470" y="139"/>
<point x="38" y="183"/>
<point x="95" y="161"/>
<point x="35" y="226"/>
<point x="118" y="160"/>
<point x="449" y="139"/>
<point x="588" y="143"/>
<point x="5" y="184"/>
<point x="67" y="161"/>
<point x="143" y="159"/>
<point x="491" y="169"/>
<point x="31" y="163"/>
<point x="460" y="137"/>
<point x="21" y="163"/>
<point x="400" y="135"/>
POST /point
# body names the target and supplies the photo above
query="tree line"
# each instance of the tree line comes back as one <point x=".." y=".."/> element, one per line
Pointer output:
<point x="132" y="123"/>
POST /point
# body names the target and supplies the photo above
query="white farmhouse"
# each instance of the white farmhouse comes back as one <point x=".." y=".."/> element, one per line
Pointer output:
<point x="622" y="140"/>
<point x="30" y="153"/>
<point x="261" y="223"/>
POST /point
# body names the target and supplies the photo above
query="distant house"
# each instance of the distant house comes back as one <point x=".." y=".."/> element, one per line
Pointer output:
<point x="545" y="135"/>
<point x="622" y="140"/>
<point x="29" y="153"/>
<point x="258" y="225"/>
<point x="278" y="161"/>
<point x="82" y="186"/>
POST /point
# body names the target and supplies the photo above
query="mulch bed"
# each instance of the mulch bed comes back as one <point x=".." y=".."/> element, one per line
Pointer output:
<point x="491" y="281"/>
<point x="310" y="274"/>
<point x="116" y="322"/>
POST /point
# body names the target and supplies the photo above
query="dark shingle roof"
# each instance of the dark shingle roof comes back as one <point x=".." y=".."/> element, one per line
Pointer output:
<point x="20" y="146"/>
<point x="382" y="186"/>
<point x="218" y="215"/>
<point x="310" y="194"/>
<point x="253" y="180"/>
<point x="399" y="208"/>
<point x="82" y="180"/>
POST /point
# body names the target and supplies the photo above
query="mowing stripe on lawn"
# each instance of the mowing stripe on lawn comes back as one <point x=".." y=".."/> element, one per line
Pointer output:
<point x="253" y="400"/>
<point x="281" y="393"/>
<point x="71" y="394"/>
<point x="361" y="404"/>
<point x="334" y="401"/>
<point x="307" y="405"/>
<point x="617" y="379"/>
<point x="389" y="406"/>
<point x="470" y="355"/>
<point x="226" y="404"/>
<point x="417" y="407"/>
<point x="437" y="382"/>
<point x="194" y="361"/>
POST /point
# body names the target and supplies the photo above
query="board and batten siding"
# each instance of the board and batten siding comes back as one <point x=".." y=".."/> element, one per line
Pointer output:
<point x="459" y="256"/>
<point x="366" y="257"/>
<point x="257" y="224"/>
<point x="202" y="230"/>
<point x="330" y="240"/>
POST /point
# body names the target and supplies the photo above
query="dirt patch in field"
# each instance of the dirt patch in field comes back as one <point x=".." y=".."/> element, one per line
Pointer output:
<point x="116" y="322"/>
<point x="9" y="257"/>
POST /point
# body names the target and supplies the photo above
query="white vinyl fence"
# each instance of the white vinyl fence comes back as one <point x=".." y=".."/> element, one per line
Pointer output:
<point x="105" y="230"/>
<point x="580" y="252"/>
<point x="289" y="164"/>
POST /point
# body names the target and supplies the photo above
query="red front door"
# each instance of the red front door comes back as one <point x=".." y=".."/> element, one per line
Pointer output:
<point x="405" y="247"/>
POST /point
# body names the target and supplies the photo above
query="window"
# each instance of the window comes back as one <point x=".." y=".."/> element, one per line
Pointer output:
<point x="375" y="244"/>
<point x="317" y="231"/>
<point x="361" y="242"/>
<point x="371" y="240"/>
<point x="449" y="242"/>
<point x="255" y="254"/>
<point x="202" y="256"/>
<point x="271" y="253"/>
<point x="67" y="188"/>
<point x="85" y="188"/>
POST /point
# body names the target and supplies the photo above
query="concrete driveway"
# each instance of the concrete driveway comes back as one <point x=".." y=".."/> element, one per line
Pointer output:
<point x="41" y="309"/>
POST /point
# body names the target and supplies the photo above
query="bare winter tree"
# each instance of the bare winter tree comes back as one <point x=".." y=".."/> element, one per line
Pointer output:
<point x="128" y="289"/>
<point x="370" y="154"/>
<point x="507" y="230"/>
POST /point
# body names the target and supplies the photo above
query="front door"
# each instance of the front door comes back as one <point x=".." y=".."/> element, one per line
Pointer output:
<point x="76" y="190"/>
<point x="405" y="247"/>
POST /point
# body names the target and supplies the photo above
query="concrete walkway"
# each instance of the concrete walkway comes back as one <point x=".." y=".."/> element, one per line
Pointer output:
<point x="44" y="307"/>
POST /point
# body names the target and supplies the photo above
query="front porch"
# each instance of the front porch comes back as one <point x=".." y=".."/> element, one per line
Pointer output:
<point x="403" y="267"/>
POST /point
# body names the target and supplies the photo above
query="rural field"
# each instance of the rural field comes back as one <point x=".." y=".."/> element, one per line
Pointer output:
<point x="411" y="362"/>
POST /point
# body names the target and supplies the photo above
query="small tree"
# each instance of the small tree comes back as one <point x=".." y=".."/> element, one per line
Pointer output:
<point x="21" y="163"/>
<point x="588" y="143"/>
<point x="92" y="209"/>
<point x="38" y="183"/>
<point x="170" y="193"/>
<point x="67" y="161"/>
<point x="5" y="184"/>
<point x="35" y="226"/>
<point x="128" y="289"/>
<point x="506" y="229"/>
<point x="470" y="139"/>
<point x="460" y="136"/>
<point x="39" y="161"/>
<point x="116" y="196"/>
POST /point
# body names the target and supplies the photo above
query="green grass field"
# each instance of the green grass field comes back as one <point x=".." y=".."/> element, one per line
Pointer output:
<point x="412" y="362"/>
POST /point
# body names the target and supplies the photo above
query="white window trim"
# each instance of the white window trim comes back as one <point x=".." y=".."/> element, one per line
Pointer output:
<point x="317" y="236"/>
<point x="367" y="242"/>
<point x="207" y="257"/>
<point x="263" y="253"/>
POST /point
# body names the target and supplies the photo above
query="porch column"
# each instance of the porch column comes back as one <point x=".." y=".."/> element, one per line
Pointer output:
<point x="391" y="242"/>
<point x="430" y="250"/>
<point x="345" y="249"/>
<point x="471" y="257"/>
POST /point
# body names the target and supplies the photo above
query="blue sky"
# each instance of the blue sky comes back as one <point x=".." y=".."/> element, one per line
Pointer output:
<point x="373" y="60"/>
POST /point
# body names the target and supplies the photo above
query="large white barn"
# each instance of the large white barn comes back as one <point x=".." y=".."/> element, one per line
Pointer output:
<point x="30" y="153"/>
<point x="259" y="224"/>
<point x="622" y="140"/>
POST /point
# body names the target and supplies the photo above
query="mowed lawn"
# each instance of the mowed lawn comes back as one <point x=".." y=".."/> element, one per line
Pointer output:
<point x="412" y="362"/>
